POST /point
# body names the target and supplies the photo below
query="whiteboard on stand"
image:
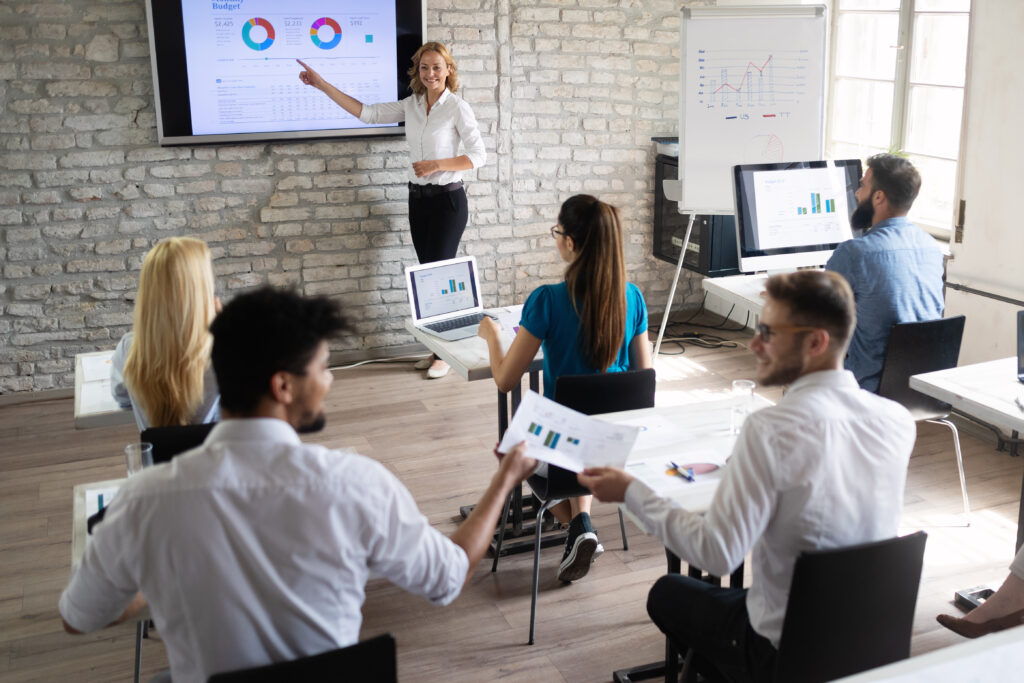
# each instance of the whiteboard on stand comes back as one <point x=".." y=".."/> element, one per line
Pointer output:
<point x="752" y="84"/>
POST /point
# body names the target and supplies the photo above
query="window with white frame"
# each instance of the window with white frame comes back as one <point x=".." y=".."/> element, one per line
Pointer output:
<point x="898" y="84"/>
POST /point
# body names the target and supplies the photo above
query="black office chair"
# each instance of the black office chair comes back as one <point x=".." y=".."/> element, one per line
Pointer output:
<point x="171" y="441"/>
<point x="850" y="609"/>
<point x="914" y="348"/>
<point x="589" y="394"/>
<point x="372" y="661"/>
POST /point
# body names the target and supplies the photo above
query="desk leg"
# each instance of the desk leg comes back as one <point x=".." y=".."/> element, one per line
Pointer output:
<point x="139" y="625"/>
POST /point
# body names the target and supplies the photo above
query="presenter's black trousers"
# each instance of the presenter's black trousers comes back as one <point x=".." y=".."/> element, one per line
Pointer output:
<point x="714" y="622"/>
<point x="437" y="218"/>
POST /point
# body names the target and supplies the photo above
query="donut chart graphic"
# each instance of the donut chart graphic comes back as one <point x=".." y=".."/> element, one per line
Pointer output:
<point x="247" y="28"/>
<point x="314" y="33"/>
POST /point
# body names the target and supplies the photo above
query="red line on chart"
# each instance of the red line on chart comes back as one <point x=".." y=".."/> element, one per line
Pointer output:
<point x="768" y="116"/>
<point x="749" y="64"/>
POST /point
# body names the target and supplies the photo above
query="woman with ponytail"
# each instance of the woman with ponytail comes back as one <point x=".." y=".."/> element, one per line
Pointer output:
<point x="592" y="322"/>
<point x="162" y="367"/>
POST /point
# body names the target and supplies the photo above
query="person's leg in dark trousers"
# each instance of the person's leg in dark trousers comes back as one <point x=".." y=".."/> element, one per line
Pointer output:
<point x="437" y="224"/>
<point x="714" y="622"/>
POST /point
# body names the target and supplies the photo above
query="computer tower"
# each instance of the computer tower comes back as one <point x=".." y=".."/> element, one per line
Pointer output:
<point x="712" y="248"/>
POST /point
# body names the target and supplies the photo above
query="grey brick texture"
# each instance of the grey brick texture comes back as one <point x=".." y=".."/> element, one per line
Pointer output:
<point x="568" y="94"/>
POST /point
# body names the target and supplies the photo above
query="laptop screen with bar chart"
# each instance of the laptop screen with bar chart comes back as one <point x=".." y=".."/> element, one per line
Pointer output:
<point x="443" y="291"/>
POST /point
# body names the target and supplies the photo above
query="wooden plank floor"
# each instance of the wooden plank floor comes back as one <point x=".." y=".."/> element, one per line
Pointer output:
<point x="437" y="437"/>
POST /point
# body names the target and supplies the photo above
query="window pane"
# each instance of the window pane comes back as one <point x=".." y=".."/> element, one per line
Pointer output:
<point x="870" y="4"/>
<point x="939" y="49"/>
<point x="850" y="150"/>
<point x="862" y="112"/>
<point x="934" y="204"/>
<point x="933" y="121"/>
<point x="864" y="45"/>
<point x="943" y="5"/>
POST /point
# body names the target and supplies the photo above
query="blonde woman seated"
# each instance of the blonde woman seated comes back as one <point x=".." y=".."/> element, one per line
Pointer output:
<point x="162" y="367"/>
<point x="592" y="322"/>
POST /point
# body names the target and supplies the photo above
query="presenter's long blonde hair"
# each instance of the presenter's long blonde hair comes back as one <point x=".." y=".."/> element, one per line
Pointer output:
<point x="171" y="343"/>
<point x="596" y="277"/>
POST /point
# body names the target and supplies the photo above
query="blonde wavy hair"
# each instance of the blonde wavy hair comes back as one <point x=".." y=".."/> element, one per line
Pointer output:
<point x="416" y="85"/>
<point x="171" y="344"/>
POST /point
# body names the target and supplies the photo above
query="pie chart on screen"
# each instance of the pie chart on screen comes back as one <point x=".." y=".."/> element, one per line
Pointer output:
<point x="258" y="29"/>
<point x="325" y="33"/>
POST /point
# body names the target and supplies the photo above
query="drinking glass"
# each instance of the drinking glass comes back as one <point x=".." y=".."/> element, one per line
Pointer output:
<point x="137" y="456"/>
<point x="743" y="402"/>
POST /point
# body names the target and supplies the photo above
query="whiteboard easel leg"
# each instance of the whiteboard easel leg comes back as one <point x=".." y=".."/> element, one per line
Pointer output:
<point x="672" y="290"/>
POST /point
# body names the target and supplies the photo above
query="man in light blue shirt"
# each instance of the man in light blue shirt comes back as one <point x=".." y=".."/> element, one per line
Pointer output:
<point x="895" y="268"/>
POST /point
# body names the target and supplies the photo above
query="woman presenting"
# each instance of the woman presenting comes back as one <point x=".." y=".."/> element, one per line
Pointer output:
<point x="436" y="122"/>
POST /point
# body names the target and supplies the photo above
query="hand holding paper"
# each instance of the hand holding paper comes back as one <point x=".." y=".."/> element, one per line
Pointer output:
<point x="566" y="438"/>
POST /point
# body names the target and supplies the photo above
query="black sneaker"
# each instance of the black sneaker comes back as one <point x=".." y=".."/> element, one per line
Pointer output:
<point x="579" y="549"/>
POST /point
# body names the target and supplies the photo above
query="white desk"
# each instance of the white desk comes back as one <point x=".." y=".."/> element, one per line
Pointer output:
<point x="684" y="434"/>
<point x="991" y="659"/>
<point x="469" y="357"/>
<point x="985" y="391"/>
<point x="742" y="291"/>
<point x="94" y="404"/>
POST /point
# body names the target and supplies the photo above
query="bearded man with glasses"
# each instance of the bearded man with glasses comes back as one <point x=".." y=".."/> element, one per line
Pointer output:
<point x="824" y="468"/>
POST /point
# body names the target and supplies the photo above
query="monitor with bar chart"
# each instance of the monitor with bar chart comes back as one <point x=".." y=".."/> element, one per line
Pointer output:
<point x="792" y="215"/>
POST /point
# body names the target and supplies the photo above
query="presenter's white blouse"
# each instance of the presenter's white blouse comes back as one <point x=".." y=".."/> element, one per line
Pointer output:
<point x="256" y="548"/>
<point x="433" y="136"/>
<point x="824" y="468"/>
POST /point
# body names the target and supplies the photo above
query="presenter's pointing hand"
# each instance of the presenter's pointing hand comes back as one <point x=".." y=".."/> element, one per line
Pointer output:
<point x="608" y="484"/>
<point x="309" y="76"/>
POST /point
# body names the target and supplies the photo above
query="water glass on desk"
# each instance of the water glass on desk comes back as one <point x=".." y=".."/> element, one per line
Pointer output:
<point x="743" y="397"/>
<point x="137" y="456"/>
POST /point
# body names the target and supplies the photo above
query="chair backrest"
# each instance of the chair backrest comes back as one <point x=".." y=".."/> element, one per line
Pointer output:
<point x="170" y="441"/>
<point x="372" y="661"/>
<point x="608" y="392"/>
<point x="914" y="348"/>
<point x="850" y="609"/>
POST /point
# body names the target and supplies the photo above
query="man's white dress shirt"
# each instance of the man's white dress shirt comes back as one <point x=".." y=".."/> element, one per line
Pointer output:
<point x="823" y="468"/>
<point x="255" y="548"/>
<point x="435" y="135"/>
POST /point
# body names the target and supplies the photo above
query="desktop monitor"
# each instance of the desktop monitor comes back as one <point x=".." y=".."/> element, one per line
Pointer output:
<point x="793" y="214"/>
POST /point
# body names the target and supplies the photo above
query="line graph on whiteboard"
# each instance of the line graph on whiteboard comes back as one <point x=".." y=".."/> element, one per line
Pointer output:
<point x="746" y="83"/>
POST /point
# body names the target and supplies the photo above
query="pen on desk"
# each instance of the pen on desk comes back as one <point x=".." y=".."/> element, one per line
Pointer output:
<point x="1020" y="403"/>
<point x="686" y="474"/>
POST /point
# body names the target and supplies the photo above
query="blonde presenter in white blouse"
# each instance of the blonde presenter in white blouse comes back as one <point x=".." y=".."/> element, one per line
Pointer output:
<point x="436" y="122"/>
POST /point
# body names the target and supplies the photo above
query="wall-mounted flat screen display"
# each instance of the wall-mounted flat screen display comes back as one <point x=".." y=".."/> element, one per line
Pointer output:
<point x="225" y="70"/>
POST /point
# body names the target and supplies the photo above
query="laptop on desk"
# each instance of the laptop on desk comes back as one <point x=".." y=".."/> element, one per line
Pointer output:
<point x="445" y="297"/>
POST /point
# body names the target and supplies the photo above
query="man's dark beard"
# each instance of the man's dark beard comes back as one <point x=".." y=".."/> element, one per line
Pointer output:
<point x="863" y="215"/>
<point x="315" y="424"/>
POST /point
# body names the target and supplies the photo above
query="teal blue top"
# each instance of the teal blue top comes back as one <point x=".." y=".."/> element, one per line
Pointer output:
<point x="549" y="315"/>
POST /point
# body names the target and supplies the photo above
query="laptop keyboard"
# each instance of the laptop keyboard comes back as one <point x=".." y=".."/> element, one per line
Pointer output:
<point x="455" y="323"/>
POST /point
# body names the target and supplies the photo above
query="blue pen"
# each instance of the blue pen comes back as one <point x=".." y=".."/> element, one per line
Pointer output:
<point x="686" y="474"/>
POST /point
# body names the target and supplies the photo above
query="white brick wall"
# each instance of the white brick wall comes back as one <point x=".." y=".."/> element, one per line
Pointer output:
<point x="568" y="94"/>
